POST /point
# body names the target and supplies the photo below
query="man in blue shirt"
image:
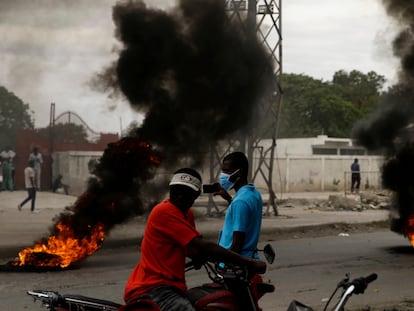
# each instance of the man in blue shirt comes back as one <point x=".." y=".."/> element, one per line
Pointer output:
<point x="242" y="224"/>
<point x="355" y="176"/>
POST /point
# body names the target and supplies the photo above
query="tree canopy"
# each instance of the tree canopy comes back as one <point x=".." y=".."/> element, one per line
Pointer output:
<point x="14" y="115"/>
<point x="313" y="107"/>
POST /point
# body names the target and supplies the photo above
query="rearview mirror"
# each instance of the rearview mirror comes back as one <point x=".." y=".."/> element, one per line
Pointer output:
<point x="269" y="253"/>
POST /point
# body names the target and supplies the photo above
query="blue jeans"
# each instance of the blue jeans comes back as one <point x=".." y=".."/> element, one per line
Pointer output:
<point x="169" y="298"/>
<point x="31" y="195"/>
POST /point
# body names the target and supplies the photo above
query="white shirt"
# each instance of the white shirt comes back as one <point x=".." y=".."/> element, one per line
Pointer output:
<point x="29" y="173"/>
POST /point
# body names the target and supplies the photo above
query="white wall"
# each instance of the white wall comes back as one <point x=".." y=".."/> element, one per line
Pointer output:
<point x="322" y="173"/>
<point x="291" y="174"/>
<point x="73" y="166"/>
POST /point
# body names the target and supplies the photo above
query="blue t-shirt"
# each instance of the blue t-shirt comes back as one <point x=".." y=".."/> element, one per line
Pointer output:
<point x="355" y="167"/>
<point x="244" y="214"/>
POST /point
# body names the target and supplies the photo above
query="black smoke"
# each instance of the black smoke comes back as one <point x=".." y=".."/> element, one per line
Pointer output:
<point x="114" y="193"/>
<point x="196" y="75"/>
<point x="390" y="128"/>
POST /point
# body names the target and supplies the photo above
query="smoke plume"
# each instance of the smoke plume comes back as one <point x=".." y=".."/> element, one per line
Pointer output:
<point x="195" y="75"/>
<point x="388" y="129"/>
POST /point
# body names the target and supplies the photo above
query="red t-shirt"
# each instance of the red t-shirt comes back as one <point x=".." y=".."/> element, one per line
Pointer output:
<point x="163" y="250"/>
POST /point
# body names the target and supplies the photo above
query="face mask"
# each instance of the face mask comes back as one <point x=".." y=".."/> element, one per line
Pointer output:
<point x="225" y="180"/>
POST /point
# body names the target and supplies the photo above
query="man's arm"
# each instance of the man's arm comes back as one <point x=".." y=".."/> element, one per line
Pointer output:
<point x="238" y="241"/>
<point x="212" y="252"/>
<point x="224" y="194"/>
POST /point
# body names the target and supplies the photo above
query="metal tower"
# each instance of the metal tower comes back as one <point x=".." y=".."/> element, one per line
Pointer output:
<point x="264" y="16"/>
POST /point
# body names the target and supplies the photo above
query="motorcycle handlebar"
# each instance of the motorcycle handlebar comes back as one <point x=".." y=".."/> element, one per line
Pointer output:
<point x="49" y="299"/>
<point x="370" y="278"/>
<point x="45" y="295"/>
<point x="361" y="283"/>
<point x="356" y="286"/>
<point x="197" y="265"/>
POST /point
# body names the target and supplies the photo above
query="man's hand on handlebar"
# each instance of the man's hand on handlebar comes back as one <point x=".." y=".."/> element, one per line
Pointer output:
<point x="362" y="283"/>
<point x="197" y="262"/>
<point x="257" y="267"/>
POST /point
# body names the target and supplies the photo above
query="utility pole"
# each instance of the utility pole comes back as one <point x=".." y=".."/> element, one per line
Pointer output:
<point x="265" y="18"/>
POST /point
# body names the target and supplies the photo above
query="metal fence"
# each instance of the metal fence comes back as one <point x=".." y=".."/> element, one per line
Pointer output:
<point x="370" y="181"/>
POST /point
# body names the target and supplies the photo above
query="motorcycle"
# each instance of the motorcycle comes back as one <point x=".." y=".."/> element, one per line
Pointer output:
<point x="231" y="289"/>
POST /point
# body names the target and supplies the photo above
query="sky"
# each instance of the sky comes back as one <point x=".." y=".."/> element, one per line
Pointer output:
<point x="51" y="49"/>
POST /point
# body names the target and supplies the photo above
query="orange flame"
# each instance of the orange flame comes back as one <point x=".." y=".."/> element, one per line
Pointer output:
<point x="409" y="229"/>
<point x="62" y="249"/>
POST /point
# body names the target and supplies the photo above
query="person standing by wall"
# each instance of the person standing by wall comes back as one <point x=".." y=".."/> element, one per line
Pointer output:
<point x="355" y="176"/>
<point x="37" y="159"/>
<point x="30" y="184"/>
<point x="7" y="169"/>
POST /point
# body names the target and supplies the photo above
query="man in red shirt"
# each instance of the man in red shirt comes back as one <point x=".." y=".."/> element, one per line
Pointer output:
<point x="170" y="236"/>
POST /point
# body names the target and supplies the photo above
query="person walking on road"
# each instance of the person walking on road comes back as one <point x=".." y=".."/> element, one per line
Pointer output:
<point x="355" y="176"/>
<point x="30" y="184"/>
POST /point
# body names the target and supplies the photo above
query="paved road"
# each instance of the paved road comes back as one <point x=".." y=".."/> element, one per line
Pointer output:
<point x="305" y="269"/>
<point x="104" y="273"/>
<point x="20" y="229"/>
<point x="309" y="269"/>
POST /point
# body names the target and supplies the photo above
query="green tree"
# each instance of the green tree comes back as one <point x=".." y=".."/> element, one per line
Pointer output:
<point x="362" y="90"/>
<point x="14" y="115"/>
<point x="296" y="119"/>
<point x="312" y="107"/>
<point x="333" y="115"/>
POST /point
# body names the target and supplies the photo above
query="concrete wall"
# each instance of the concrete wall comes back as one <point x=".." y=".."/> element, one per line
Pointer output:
<point x="73" y="166"/>
<point x="291" y="174"/>
<point x="322" y="173"/>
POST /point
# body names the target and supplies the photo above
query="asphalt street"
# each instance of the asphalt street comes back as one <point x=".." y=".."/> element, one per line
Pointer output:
<point x="21" y="228"/>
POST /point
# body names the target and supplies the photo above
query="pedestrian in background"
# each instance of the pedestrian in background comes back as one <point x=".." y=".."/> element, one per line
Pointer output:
<point x="355" y="176"/>
<point x="58" y="184"/>
<point x="30" y="184"/>
<point x="37" y="159"/>
<point x="7" y="170"/>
